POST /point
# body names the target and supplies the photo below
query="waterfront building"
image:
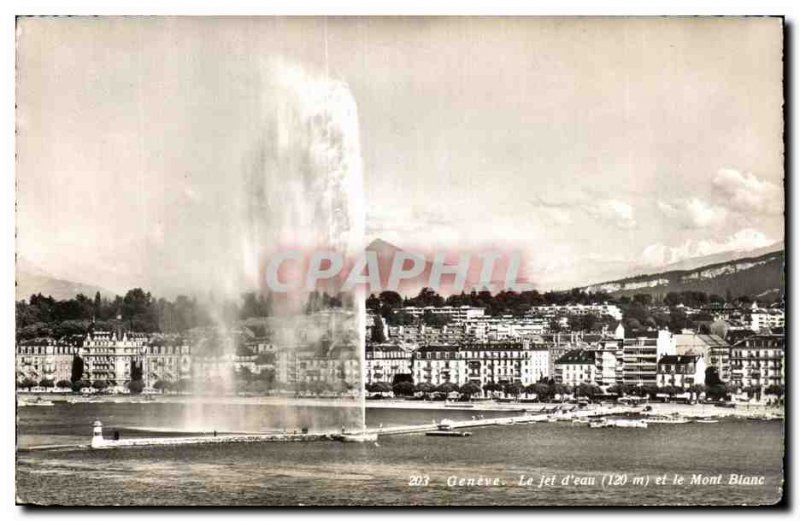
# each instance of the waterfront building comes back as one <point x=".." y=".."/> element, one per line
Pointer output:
<point x="575" y="367"/>
<point x="167" y="360"/>
<point x="439" y="364"/>
<point x="481" y="363"/>
<point x="44" y="359"/>
<point x="607" y="364"/>
<point x="713" y="348"/>
<point x="337" y="369"/>
<point x="385" y="361"/>
<point x="758" y="361"/>
<point x="640" y="357"/>
<point x="680" y="371"/>
<point x="110" y="356"/>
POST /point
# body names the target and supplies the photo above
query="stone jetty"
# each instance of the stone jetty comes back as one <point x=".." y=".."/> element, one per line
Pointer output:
<point x="368" y="435"/>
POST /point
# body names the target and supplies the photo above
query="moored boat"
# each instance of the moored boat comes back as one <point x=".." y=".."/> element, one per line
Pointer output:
<point x="663" y="418"/>
<point x="450" y="434"/>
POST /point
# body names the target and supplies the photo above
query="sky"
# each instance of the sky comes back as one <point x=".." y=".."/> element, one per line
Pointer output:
<point x="597" y="147"/>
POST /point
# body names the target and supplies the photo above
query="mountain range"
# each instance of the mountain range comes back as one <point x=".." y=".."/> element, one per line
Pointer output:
<point x="758" y="273"/>
<point x="31" y="279"/>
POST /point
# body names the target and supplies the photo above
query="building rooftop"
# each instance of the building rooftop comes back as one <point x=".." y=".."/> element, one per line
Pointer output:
<point x="678" y="359"/>
<point x="577" y="357"/>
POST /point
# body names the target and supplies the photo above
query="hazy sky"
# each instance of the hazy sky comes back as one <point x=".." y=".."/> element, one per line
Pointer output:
<point x="596" y="146"/>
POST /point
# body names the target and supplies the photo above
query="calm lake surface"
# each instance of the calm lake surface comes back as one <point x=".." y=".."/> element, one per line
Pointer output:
<point x="399" y="470"/>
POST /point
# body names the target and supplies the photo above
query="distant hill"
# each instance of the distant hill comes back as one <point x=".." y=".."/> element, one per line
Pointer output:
<point x="760" y="275"/>
<point x="31" y="280"/>
<point x="386" y="251"/>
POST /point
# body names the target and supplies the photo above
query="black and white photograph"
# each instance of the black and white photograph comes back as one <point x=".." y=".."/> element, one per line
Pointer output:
<point x="437" y="261"/>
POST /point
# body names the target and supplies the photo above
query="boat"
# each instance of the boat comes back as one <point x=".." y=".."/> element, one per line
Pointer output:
<point x="552" y="419"/>
<point x="705" y="420"/>
<point x="358" y="437"/>
<point x="663" y="418"/>
<point x="445" y="425"/>
<point x="450" y="434"/>
<point x="460" y="405"/>
<point x="623" y="423"/>
<point x="639" y="424"/>
<point x="580" y="420"/>
<point x="38" y="402"/>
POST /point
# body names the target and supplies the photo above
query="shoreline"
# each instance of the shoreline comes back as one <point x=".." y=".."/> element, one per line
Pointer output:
<point x="742" y="410"/>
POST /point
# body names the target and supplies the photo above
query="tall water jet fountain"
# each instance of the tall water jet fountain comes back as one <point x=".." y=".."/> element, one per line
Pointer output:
<point x="302" y="190"/>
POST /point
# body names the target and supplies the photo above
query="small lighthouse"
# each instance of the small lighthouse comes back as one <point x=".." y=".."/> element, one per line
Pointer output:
<point x="97" y="435"/>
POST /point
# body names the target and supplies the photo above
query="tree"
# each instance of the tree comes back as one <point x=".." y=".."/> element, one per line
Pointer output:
<point x="383" y="387"/>
<point x="513" y="389"/>
<point x="378" y="336"/>
<point x="424" y="388"/>
<point x="77" y="368"/>
<point x="587" y="390"/>
<point x="63" y="384"/>
<point x="391" y="299"/>
<point x="402" y="377"/>
<point x="97" y="306"/>
<point x="470" y="389"/>
<point x="100" y="384"/>
<point x="775" y="390"/>
<point x="697" y="390"/>
<point x="492" y="387"/>
<point x="136" y="386"/>
<point x="717" y="391"/>
<point x="79" y="384"/>
<point x="542" y="391"/>
<point x="403" y="389"/>
<point x="166" y="385"/>
<point x="671" y="390"/>
<point x="46" y="383"/>
<point x="447" y="388"/>
<point x="649" y="390"/>
<point x="136" y="370"/>
<point x="560" y="390"/>
<point x="27" y="383"/>
<point x="712" y="377"/>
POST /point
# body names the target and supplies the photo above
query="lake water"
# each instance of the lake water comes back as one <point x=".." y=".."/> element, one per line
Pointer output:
<point x="601" y="466"/>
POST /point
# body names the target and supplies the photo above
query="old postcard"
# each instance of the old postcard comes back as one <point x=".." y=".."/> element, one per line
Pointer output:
<point x="430" y="261"/>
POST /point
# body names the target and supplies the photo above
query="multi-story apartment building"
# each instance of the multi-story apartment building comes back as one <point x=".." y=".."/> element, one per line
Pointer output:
<point x="438" y="365"/>
<point x="505" y="328"/>
<point x="714" y="350"/>
<point x="44" y="359"/>
<point x="338" y="369"/>
<point x="481" y="363"/>
<point x="168" y="360"/>
<point x="385" y="361"/>
<point x="758" y="361"/>
<point x="454" y="313"/>
<point x="607" y="365"/>
<point x="767" y="319"/>
<point x="605" y="309"/>
<point x="110" y="357"/>
<point x="680" y="370"/>
<point x="640" y="357"/>
<point x="576" y="367"/>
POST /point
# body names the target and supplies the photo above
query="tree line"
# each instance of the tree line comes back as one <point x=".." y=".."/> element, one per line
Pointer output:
<point x="138" y="310"/>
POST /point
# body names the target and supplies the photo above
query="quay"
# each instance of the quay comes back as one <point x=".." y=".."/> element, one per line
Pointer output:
<point x="100" y="442"/>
